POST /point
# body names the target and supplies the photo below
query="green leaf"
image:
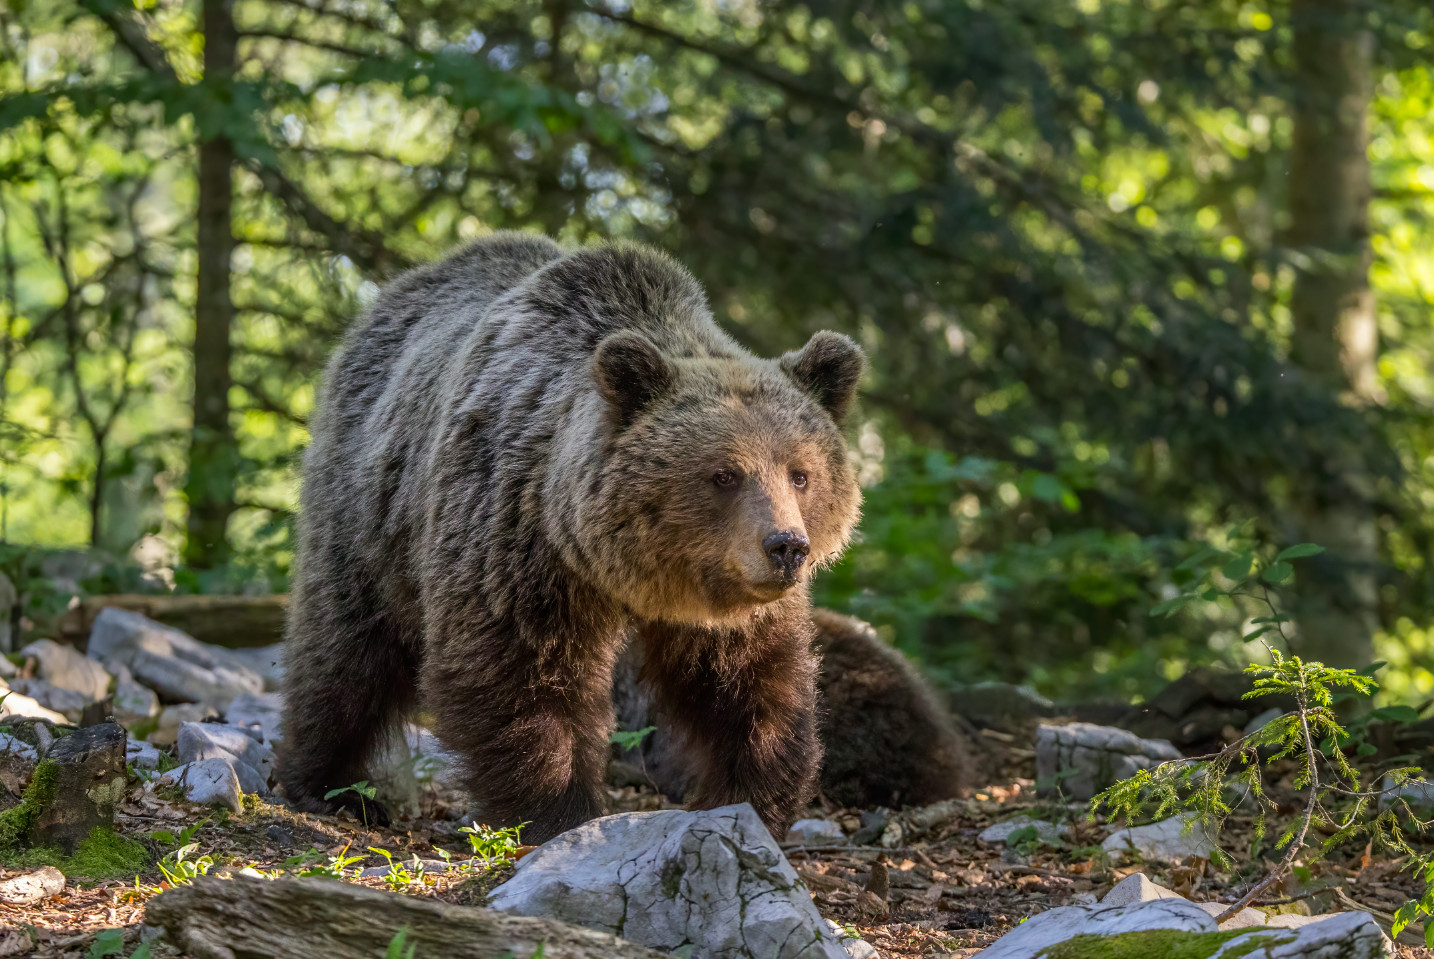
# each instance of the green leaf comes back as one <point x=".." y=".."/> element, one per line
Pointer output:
<point x="1299" y="551"/>
<point x="1366" y="749"/>
<point x="1239" y="567"/>
<point x="1201" y="556"/>
<point x="140" y="953"/>
<point x="1277" y="573"/>
<point x="632" y="739"/>
<point x="1167" y="608"/>
<point x="1396" y="714"/>
<point x="110" y="942"/>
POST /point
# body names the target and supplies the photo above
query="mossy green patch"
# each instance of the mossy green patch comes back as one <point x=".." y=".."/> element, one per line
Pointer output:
<point x="16" y="821"/>
<point x="1165" y="943"/>
<point x="104" y="854"/>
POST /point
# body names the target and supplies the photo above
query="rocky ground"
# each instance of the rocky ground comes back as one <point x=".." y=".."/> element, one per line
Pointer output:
<point x="943" y="880"/>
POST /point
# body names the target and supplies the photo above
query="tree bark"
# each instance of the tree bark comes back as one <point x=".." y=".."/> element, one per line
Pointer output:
<point x="1335" y="334"/>
<point x="246" y="918"/>
<point x="213" y="454"/>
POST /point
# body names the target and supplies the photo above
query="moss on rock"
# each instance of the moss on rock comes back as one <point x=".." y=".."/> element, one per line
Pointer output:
<point x="1165" y="943"/>
<point x="103" y="854"/>
<point x="17" y="820"/>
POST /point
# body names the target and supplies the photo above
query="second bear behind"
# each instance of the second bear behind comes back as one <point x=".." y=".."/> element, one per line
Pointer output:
<point x="888" y="739"/>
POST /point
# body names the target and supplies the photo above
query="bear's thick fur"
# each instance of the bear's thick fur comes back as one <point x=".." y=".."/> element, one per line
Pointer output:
<point x="519" y="453"/>
<point x="887" y="738"/>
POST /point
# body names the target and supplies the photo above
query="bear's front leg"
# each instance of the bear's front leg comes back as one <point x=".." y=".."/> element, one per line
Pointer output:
<point x="744" y="702"/>
<point x="531" y="723"/>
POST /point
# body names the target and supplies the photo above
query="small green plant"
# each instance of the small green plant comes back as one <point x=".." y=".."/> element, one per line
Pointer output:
<point x="362" y="790"/>
<point x="109" y="942"/>
<point x="336" y="868"/>
<point x="1312" y="736"/>
<point x="1027" y="840"/>
<point x="180" y="870"/>
<point x="492" y="846"/>
<point x="186" y="835"/>
<point x="401" y="875"/>
<point x="398" y="947"/>
<point x="624" y="739"/>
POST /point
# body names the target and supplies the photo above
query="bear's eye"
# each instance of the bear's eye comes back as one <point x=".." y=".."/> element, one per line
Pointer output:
<point x="725" y="479"/>
<point x="799" y="479"/>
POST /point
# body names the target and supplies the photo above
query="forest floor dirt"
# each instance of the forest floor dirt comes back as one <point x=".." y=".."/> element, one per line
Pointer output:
<point x="950" y="894"/>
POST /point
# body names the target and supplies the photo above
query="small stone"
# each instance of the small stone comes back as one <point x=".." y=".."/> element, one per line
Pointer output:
<point x="209" y="782"/>
<point x="1168" y="840"/>
<point x="713" y="880"/>
<point x="142" y="755"/>
<point x="68" y="668"/>
<point x="1045" y="831"/>
<point x="429" y="865"/>
<point x="1001" y="705"/>
<point x="258" y="711"/>
<point x="279" y="836"/>
<point x="1081" y="759"/>
<point x="252" y="760"/>
<point x="815" y="831"/>
<point x="172" y="717"/>
<point x="1137" y="887"/>
<point x="31" y="887"/>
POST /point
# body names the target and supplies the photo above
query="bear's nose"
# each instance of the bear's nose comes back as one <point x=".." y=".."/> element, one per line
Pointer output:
<point x="786" y="550"/>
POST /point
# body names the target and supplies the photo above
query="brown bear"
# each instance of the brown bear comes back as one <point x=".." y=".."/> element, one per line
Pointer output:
<point x="886" y="737"/>
<point x="518" y="453"/>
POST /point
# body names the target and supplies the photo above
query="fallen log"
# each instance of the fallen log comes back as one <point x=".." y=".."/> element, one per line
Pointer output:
<point x="247" y="918"/>
<point x="233" y="621"/>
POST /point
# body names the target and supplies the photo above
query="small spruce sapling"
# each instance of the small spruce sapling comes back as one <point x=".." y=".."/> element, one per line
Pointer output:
<point x="1312" y="736"/>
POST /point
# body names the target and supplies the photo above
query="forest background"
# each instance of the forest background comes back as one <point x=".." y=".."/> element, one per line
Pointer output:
<point x="1137" y="278"/>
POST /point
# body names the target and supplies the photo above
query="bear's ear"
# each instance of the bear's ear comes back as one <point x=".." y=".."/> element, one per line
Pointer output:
<point x="631" y="372"/>
<point x="827" y="368"/>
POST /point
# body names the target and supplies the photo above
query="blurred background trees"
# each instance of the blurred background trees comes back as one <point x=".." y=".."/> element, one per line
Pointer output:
<point x="1135" y="276"/>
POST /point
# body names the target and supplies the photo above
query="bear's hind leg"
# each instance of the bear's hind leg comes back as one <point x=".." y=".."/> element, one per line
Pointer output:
<point x="348" y="680"/>
<point x="744" y="703"/>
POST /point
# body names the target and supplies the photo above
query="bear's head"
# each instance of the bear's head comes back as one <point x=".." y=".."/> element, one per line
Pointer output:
<point x="725" y="481"/>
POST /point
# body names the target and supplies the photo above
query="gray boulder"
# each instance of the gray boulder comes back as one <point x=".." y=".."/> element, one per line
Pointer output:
<point x="1081" y="759"/>
<point x="141" y="755"/>
<point x="1045" y="831"/>
<point x="174" y="664"/>
<point x="17" y="762"/>
<point x="209" y="782"/>
<point x="172" y="717"/>
<point x="17" y="705"/>
<point x="253" y="761"/>
<point x="68" y="668"/>
<point x="712" y="881"/>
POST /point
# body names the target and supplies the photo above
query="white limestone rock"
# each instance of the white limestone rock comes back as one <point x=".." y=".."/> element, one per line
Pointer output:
<point x="1081" y="759"/>
<point x="209" y="782"/>
<point x="711" y="880"/>
<point x="17" y="705"/>
<point x="172" y="717"/>
<point x="258" y="712"/>
<point x="252" y="760"/>
<point x="814" y="832"/>
<point x="66" y="702"/>
<point x="68" y="668"/>
<point x="174" y="664"/>
<point x="1170" y="840"/>
<point x="31" y="887"/>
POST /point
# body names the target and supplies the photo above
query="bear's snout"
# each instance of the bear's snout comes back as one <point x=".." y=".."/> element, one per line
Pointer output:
<point x="787" y="550"/>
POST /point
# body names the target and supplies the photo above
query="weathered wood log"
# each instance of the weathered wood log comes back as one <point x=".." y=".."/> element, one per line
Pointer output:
<point x="246" y="918"/>
<point x="233" y="621"/>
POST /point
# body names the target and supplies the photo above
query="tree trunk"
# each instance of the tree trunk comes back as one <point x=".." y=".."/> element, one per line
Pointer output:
<point x="213" y="454"/>
<point x="245" y="918"/>
<point x="1335" y="336"/>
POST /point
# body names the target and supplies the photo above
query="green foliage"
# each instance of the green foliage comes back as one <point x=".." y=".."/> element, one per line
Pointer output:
<point x="631" y="739"/>
<point x="185" y="835"/>
<point x="180" y="869"/>
<point x="337" y="867"/>
<point x="109" y="942"/>
<point x="398" y="946"/>
<point x="402" y="875"/>
<point x="362" y="790"/>
<point x="493" y="846"/>
<point x="1169" y="944"/>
